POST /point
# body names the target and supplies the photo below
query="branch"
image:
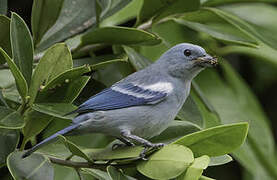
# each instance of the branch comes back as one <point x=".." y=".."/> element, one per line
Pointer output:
<point x="78" y="165"/>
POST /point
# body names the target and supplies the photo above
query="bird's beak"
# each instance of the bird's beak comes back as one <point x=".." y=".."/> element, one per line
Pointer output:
<point x="207" y="61"/>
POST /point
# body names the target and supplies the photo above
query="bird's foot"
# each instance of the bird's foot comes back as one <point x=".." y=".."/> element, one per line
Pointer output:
<point x="120" y="145"/>
<point x="147" y="146"/>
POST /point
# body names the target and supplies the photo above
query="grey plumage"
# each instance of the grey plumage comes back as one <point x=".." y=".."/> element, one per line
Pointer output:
<point x="143" y="104"/>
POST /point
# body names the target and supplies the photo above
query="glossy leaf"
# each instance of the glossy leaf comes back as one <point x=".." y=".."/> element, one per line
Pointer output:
<point x="21" y="83"/>
<point x="220" y="2"/>
<point x="196" y="169"/>
<point x="220" y="160"/>
<point x="10" y="119"/>
<point x="35" y="167"/>
<point x="8" y="143"/>
<point x="166" y="165"/>
<point x="119" y="35"/>
<point x="55" y="109"/>
<point x="56" y="60"/>
<point x="215" y="141"/>
<point x="44" y="15"/>
<point x="5" y="42"/>
<point x="63" y="172"/>
<point x="22" y="46"/>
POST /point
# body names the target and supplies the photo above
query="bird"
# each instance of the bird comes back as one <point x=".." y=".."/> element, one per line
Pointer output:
<point x="143" y="104"/>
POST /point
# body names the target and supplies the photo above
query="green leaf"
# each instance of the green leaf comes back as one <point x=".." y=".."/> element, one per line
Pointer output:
<point x="222" y="2"/>
<point x="125" y="14"/>
<point x="6" y="78"/>
<point x="211" y="22"/>
<point x="55" y="109"/>
<point x="137" y="60"/>
<point x="163" y="8"/>
<point x="116" y="174"/>
<point x="74" y="17"/>
<point x="22" y="46"/>
<point x="74" y="149"/>
<point x="205" y="178"/>
<point x="119" y="153"/>
<point x="101" y="175"/>
<point x="166" y="165"/>
<point x="66" y="77"/>
<point x="190" y="112"/>
<point x="35" y="167"/>
<point x="220" y="160"/>
<point x="56" y="60"/>
<point x="66" y="93"/>
<point x="63" y="172"/>
<point x="215" y="141"/>
<point x="10" y="119"/>
<point x="8" y="142"/>
<point x="35" y="123"/>
<point x="44" y="15"/>
<point x="196" y="169"/>
<point x="2" y="99"/>
<point x="176" y="129"/>
<point x="3" y="6"/>
<point x="5" y="42"/>
<point x="21" y="83"/>
<point x="119" y="35"/>
<point x="241" y="103"/>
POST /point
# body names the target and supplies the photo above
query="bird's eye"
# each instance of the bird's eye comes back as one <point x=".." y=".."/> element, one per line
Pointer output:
<point x="187" y="52"/>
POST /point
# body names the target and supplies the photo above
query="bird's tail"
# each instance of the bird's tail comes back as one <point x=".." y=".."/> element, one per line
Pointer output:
<point x="49" y="139"/>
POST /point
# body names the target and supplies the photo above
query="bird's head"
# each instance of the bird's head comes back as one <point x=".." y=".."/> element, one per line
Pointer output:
<point x="187" y="60"/>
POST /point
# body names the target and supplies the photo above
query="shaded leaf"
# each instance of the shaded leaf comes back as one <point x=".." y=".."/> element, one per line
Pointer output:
<point x="75" y="150"/>
<point x="220" y="160"/>
<point x="119" y="153"/>
<point x="215" y="141"/>
<point x="117" y="174"/>
<point x="8" y="143"/>
<point x="166" y="165"/>
<point x="64" y="93"/>
<point x="21" y="83"/>
<point x="35" y="167"/>
<point x="10" y="119"/>
<point x="63" y="172"/>
<point x="75" y="17"/>
<point x="56" y="60"/>
<point x="98" y="174"/>
<point x="2" y="99"/>
<point x="119" y="35"/>
<point x="6" y="78"/>
<point x="176" y="129"/>
<point x="3" y="6"/>
<point x="44" y="15"/>
<point x="5" y="42"/>
<point x="22" y="46"/>
<point x="35" y="123"/>
<point x="137" y="60"/>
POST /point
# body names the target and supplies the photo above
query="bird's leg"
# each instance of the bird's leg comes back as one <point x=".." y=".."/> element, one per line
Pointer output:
<point x="124" y="140"/>
<point x="146" y="144"/>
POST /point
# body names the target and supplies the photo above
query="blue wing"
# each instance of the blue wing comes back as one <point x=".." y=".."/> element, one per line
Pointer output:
<point x="121" y="96"/>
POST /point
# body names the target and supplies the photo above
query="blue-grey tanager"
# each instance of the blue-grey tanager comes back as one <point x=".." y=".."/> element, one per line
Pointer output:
<point x="143" y="104"/>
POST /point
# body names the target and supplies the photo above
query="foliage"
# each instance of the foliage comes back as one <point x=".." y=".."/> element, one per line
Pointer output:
<point x="77" y="48"/>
